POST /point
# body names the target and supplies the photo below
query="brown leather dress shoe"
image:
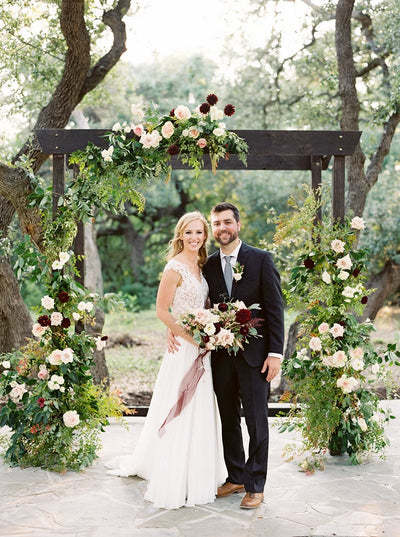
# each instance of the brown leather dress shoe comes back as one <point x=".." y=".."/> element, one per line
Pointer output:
<point x="229" y="488"/>
<point x="252" y="500"/>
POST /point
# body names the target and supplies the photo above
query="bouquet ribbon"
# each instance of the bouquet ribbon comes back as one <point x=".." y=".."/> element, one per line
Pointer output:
<point x="186" y="389"/>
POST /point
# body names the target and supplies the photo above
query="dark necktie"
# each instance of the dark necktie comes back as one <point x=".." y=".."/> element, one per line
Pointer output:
<point x="228" y="273"/>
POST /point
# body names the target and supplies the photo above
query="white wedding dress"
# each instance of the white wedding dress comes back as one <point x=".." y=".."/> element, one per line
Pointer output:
<point x="185" y="465"/>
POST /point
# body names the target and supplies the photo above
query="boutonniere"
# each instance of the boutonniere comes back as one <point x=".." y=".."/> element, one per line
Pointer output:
<point x="238" y="270"/>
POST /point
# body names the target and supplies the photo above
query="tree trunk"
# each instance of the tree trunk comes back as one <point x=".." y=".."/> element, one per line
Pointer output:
<point x="386" y="283"/>
<point x="94" y="282"/>
<point x="15" y="320"/>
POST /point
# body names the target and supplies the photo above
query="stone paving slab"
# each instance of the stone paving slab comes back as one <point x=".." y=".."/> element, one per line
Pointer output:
<point x="341" y="501"/>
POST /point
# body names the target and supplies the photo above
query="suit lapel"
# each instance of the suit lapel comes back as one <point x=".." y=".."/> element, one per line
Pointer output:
<point x="241" y="259"/>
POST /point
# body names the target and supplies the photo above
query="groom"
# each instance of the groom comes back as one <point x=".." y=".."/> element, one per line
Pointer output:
<point x="245" y="378"/>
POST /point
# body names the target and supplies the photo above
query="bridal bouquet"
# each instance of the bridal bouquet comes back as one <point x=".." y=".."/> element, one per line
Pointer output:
<point x="226" y="325"/>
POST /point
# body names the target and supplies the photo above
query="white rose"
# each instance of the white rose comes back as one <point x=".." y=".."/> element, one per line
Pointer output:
<point x="81" y="306"/>
<point x="216" y="114"/>
<point x="339" y="359"/>
<point x="182" y="112"/>
<point x="89" y="306"/>
<point x="363" y="424"/>
<point x="343" y="275"/>
<point x="323" y="328"/>
<point x="64" y="257"/>
<point x="47" y="302"/>
<point x="55" y="357"/>
<point x="100" y="343"/>
<point x="76" y="316"/>
<point x="344" y="263"/>
<point x="209" y="329"/>
<point x="137" y="111"/>
<point x="167" y="129"/>
<point x="337" y="330"/>
<point x="337" y="246"/>
<point x="357" y="353"/>
<point x="117" y="126"/>
<point x="71" y="418"/>
<point x="348" y="292"/>
<point x="17" y="392"/>
<point x="224" y="338"/>
<point x="56" y="318"/>
<point x="315" y="344"/>
<point x="67" y="356"/>
<point x="357" y="364"/>
<point x="38" y="330"/>
<point x="347" y="384"/>
<point x="357" y="223"/>
<point x="326" y="277"/>
<point x="237" y="276"/>
<point x="328" y="361"/>
<point x="6" y="364"/>
<point x="218" y="132"/>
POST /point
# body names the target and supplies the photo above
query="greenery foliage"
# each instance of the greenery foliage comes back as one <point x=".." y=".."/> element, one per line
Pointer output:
<point x="51" y="405"/>
<point x="334" y="361"/>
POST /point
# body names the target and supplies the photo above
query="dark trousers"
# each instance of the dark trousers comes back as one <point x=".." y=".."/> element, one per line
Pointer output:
<point x="235" y="381"/>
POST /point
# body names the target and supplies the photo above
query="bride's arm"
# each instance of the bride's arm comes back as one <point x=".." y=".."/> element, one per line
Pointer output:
<point x="169" y="282"/>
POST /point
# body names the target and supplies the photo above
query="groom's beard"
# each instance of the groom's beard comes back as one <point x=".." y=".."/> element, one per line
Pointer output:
<point x="227" y="238"/>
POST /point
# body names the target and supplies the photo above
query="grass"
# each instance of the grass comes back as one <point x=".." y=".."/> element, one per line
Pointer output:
<point x="137" y="346"/>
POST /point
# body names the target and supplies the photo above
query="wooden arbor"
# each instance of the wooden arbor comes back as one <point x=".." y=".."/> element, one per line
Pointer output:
<point x="268" y="150"/>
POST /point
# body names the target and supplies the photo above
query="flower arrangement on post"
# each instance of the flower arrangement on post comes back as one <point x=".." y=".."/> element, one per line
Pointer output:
<point x="226" y="325"/>
<point x="142" y="150"/>
<point x="335" y="361"/>
<point x="51" y="405"/>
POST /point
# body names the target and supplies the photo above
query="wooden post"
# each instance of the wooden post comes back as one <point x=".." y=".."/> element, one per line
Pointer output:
<point x="316" y="180"/>
<point x="58" y="180"/>
<point x="79" y="245"/>
<point x="338" y="187"/>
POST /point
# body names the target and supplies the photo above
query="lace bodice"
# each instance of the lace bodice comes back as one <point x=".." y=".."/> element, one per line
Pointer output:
<point x="192" y="293"/>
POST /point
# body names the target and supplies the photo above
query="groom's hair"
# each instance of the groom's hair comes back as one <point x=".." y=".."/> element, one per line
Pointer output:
<point x="226" y="206"/>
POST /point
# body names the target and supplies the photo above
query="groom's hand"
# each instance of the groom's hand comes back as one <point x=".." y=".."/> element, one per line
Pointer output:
<point x="272" y="366"/>
<point x="172" y="342"/>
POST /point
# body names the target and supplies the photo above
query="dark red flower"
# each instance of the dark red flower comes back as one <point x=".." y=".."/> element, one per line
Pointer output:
<point x="173" y="149"/>
<point x="356" y="272"/>
<point x="44" y="320"/>
<point x="172" y="112"/>
<point x="204" y="108"/>
<point x="65" y="323"/>
<point x="63" y="297"/>
<point x="309" y="263"/>
<point x="342" y="323"/>
<point x="364" y="300"/>
<point x="217" y="327"/>
<point x="205" y="338"/>
<point x="223" y="306"/>
<point x="229" y="110"/>
<point x="104" y="338"/>
<point x="40" y="402"/>
<point x="212" y="99"/>
<point x="244" y="330"/>
<point x="243" y="316"/>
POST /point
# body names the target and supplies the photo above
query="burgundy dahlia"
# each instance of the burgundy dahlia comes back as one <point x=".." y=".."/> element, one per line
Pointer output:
<point x="173" y="149"/>
<point x="309" y="263"/>
<point x="204" y="108"/>
<point x="356" y="272"/>
<point x="212" y="99"/>
<point x="172" y="112"/>
<point x="40" y="402"/>
<point x="223" y="306"/>
<point x="244" y="330"/>
<point x="63" y="297"/>
<point x="243" y="316"/>
<point x="205" y="338"/>
<point x="364" y="300"/>
<point x="217" y="327"/>
<point x="65" y="323"/>
<point x="44" y="320"/>
<point x="104" y="338"/>
<point x="229" y="110"/>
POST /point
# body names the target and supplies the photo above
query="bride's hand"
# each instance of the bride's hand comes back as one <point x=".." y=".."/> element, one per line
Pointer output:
<point x="172" y="342"/>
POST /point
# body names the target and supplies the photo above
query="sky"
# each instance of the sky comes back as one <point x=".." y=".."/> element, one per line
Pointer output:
<point x="164" y="28"/>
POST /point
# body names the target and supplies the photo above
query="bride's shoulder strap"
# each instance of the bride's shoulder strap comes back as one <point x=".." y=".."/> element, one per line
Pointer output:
<point x="178" y="267"/>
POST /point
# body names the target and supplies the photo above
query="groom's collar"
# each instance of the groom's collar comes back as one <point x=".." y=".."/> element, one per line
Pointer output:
<point x="235" y="252"/>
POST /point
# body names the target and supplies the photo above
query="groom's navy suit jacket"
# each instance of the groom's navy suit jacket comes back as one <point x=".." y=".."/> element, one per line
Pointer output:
<point x="260" y="284"/>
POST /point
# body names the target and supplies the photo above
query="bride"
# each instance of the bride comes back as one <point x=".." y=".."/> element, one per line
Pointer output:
<point x="180" y="457"/>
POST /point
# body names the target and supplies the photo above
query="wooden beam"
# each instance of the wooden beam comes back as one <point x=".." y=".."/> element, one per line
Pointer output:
<point x="261" y="142"/>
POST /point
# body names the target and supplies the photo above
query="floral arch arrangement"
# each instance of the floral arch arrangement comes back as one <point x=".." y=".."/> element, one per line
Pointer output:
<point x="335" y="362"/>
<point x="141" y="150"/>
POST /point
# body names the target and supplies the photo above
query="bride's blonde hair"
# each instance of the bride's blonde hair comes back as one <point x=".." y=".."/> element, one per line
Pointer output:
<point x="176" y="243"/>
